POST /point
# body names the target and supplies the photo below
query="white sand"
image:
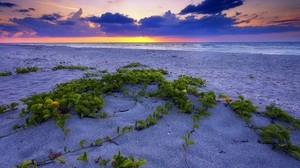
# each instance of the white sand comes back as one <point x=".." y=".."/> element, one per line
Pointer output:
<point x="276" y="80"/>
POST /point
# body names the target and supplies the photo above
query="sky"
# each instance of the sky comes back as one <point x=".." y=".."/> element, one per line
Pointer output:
<point x="149" y="20"/>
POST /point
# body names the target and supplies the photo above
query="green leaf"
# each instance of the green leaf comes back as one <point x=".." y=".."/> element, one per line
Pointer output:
<point x="104" y="162"/>
<point x="66" y="131"/>
<point x="65" y="149"/>
<point x="141" y="162"/>
<point x="61" y="160"/>
<point x="82" y="142"/>
<point x="98" y="141"/>
<point x="83" y="157"/>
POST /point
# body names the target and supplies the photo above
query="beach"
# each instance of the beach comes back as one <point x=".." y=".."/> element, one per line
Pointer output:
<point x="223" y="139"/>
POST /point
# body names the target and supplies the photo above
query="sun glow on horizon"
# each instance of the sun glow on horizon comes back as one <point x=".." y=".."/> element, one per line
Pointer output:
<point x="135" y="39"/>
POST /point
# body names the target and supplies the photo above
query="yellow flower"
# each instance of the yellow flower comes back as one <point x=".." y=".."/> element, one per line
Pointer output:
<point x="228" y="99"/>
<point x="55" y="103"/>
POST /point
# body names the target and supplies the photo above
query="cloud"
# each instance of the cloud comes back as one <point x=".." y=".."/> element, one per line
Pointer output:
<point x="7" y="5"/>
<point x="168" y="24"/>
<point x="53" y="25"/>
<point x="112" y="18"/>
<point x="51" y="17"/>
<point x="211" y="6"/>
<point x="25" y="10"/>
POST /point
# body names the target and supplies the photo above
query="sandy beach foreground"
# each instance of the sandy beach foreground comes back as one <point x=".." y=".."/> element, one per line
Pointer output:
<point x="223" y="139"/>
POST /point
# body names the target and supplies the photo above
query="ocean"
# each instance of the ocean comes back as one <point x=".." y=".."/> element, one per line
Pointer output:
<point x="272" y="48"/>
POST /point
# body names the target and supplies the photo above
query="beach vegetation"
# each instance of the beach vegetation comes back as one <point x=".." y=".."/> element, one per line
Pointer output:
<point x="279" y="114"/>
<point x="133" y="65"/>
<point x="82" y="142"/>
<point x="8" y="107"/>
<point x="89" y="74"/>
<point x="27" y="69"/>
<point x="120" y="161"/>
<point x="279" y="137"/>
<point x="72" y="67"/>
<point x="244" y="108"/>
<point x="5" y="73"/>
<point x="61" y="160"/>
<point x="104" y="162"/>
<point x="28" y="164"/>
<point x="84" y="157"/>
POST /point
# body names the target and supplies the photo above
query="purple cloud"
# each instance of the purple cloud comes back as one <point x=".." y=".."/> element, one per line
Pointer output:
<point x="7" y="5"/>
<point x="51" y="17"/>
<point x="211" y="6"/>
<point x="112" y="18"/>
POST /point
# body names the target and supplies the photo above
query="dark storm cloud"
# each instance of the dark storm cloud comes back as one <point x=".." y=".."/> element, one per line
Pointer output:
<point x="211" y="6"/>
<point x="51" y="17"/>
<point x="7" y="5"/>
<point x="112" y="18"/>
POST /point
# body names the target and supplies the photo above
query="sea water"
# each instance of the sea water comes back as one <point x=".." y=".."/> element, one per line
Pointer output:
<point x="273" y="48"/>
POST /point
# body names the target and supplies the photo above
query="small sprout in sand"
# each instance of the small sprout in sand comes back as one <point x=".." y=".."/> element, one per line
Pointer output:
<point x="187" y="141"/>
<point x="83" y="157"/>
<point x="61" y="160"/>
<point x="104" y="162"/>
<point x="82" y="142"/>
<point x="65" y="149"/>
<point x="16" y="126"/>
<point x="98" y="141"/>
<point x="103" y="114"/>
<point x="27" y="70"/>
<point x="186" y="144"/>
<point x="5" y="73"/>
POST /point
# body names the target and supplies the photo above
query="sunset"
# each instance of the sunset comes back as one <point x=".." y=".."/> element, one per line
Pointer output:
<point x="149" y="83"/>
<point x="202" y="20"/>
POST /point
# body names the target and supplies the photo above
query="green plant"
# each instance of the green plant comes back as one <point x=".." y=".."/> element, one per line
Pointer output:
<point x="28" y="164"/>
<point x="187" y="142"/>
<point x="279" y="137"/>
<point x="82" y="142"/>
<point x="71" y="67"/>
<point x="104" y="162"/>
<point x="132" y="65"/>
<point x="120" y="161"/>
<point x="84" y="157"/>
<point x="5" y="73"/>
<point x="244" y="108"/>
<point x="98" y="141"/>
<point x="61" y="160"/>
<point x="27" y="70"/>
<point x="89" y="74"/>
<point x="279" y="114"/>
<point x="8" y="107"/>
<point x="103" y="114"/>
<point x="208" y="99"/>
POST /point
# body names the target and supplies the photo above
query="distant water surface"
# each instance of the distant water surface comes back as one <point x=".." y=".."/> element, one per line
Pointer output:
<point x="277" y="48"/>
